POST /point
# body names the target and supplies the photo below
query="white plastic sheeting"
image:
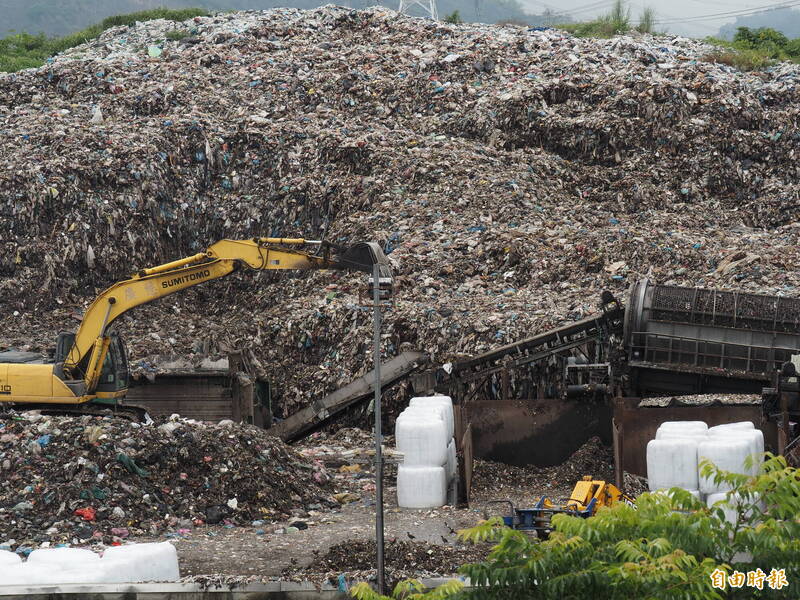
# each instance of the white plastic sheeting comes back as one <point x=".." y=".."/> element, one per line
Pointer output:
<point x="424" y="434"/>
<point x="421" y="487"/>
<point x="29" y="574"/>
<point x="149" y="562"/>
<point x="444" y="401"/>
<point x="672" y="463"/>
<point x="754" y="436"/>
<point x="683" y="426"/>
<point x="422" y="438"/>
<point x="739" y="425"/>
<point x="135" y="563"/>
<point x="9" y="558"/>
<point x="676" y="434"/>
<point x="65" y="558"/>
<point x="727" y="454"/>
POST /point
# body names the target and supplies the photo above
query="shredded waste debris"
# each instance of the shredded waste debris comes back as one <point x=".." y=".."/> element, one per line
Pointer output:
<point x="510" y="174"/>
<point x="404" y="559"/>
<point x="80" y="480"/>
<point x="491" y="480"/>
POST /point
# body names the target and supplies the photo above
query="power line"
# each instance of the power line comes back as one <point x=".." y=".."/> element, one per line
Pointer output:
<point x="705" y="2"/>
<point x="544" y="5"/>
<point x="590" y="7"/>
<point x="735" y="13"/>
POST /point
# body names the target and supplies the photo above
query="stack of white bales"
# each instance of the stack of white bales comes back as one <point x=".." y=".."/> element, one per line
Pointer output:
<point x="134" y="563"/>
<point x="674" y="455"/>
<point x="424" y="434"/>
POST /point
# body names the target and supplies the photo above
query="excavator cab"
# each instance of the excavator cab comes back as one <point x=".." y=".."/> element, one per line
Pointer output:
<point x="114" y="377"/>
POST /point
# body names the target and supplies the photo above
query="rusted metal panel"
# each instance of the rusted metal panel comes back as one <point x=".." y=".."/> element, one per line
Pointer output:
<point x="619" y="478"/>
<point x="201" y="397"/>
<point x="638" y="425"/>
<point x="540" y="432"/>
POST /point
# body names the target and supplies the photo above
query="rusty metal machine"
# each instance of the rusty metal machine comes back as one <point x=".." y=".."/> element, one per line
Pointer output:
<point x="692" y="340"/>
<point x="539" y="399"/>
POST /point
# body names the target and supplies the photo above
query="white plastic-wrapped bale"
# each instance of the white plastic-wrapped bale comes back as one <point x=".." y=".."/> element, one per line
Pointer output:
<point x="739" y="425"/>
<point x="754" y="436"/>
<point x="438" y="407"/>
<point x="148" y="562"/>
<point x="422" y="438"/>
<point x="424" y="412"/>
<point x="672" y="463"/>
<point x="444" y="401"/>
<point x="9" y="558"/>
<point x="65" y="558"/>
<point x="682" y="426"/>
<point x="451" y="468"/>
<point x="30" y="574"/>
<point x="421" y="487"/>
<point x="672" y="434"/>
<point x="727" y="454"/>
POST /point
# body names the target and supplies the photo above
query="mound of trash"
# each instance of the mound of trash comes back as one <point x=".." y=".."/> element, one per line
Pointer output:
<point x="510" y="174"/>
<point x="78" y="479"/>
<point x="404" y="559"/>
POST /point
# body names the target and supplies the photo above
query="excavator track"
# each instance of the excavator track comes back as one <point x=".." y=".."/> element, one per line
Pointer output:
<point x="131" y="412"/>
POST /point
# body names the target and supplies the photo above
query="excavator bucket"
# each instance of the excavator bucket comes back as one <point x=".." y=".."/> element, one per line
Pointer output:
<point x="363" y="256"/>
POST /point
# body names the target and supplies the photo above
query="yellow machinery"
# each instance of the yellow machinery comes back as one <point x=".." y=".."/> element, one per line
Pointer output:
<point x="91" y="365"/>
<point x="587" y="496"/>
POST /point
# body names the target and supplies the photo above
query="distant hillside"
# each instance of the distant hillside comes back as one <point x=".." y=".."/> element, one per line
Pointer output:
<point x="67" y="16"/>
<point x="785" y="20"/>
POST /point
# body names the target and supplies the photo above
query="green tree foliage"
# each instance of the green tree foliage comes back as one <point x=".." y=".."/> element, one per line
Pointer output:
<point x="410" y="589"/>
<point x="667" y="546"/>
<point x="23" y="50"/>
<point x="756" y="48"/>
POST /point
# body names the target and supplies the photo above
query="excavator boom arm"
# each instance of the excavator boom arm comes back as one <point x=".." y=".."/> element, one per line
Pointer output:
<point x="218" y="261"/>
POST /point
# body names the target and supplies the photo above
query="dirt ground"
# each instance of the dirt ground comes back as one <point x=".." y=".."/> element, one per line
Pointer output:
<point x="244" y="551"/>
<point x="263" y="551"/>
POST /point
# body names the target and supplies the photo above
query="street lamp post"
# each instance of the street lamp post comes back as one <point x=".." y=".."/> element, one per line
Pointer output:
<point x="381" y="292"/>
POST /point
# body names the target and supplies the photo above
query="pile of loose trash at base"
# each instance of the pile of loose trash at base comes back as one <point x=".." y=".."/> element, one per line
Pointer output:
<point x="511" y="175"/>
<point x="79" y="480"/>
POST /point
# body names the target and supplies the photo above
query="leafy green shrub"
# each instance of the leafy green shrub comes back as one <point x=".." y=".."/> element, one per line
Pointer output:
<point x="667" y="546"/>
<point x="744" y="60"/>
<point x="793" y="48"/>
<point x="454" y="18"/>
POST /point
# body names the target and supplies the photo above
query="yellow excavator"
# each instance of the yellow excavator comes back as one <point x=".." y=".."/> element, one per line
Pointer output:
<point x="587" y="496"/>
<point x="91" y="366"/>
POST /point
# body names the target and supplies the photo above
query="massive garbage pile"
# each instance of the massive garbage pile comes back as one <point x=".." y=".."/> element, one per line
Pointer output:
<point x="510" y="174"/>
<point x="79" y="479"/>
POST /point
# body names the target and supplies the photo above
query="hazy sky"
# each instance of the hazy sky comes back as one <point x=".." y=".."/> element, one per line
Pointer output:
<point x="669" y="11"/>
